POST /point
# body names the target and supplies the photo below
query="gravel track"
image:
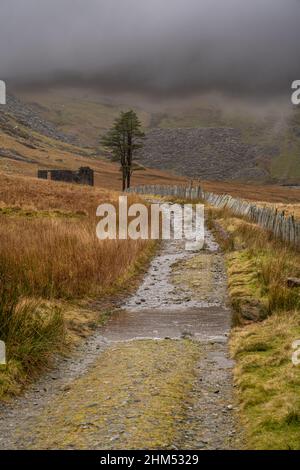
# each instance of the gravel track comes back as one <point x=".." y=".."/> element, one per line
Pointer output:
<point x="178" y="316"/>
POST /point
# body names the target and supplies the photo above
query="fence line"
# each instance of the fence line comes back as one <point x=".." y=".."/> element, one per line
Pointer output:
<point x="285" y="228"/>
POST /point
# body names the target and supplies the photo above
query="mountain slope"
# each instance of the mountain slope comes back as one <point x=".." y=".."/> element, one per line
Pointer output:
<point x="29" y="142"/>
<point x="262" y="142"/>
<point x="205" y="153"/>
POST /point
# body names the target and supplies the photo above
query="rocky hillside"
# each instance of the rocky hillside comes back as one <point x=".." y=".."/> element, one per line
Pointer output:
<point x="195" y="139"/>
<point x="26" y="116"/>
<point x="205" y="153"/>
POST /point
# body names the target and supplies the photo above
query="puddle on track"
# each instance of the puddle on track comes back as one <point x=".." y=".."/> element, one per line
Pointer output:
<point x="161" y="309"/>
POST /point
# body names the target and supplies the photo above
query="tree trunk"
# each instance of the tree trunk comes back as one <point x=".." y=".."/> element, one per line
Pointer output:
<point x="128" y="179"/>
<point x="124" y="178"/>
<point x="129" y="156"/>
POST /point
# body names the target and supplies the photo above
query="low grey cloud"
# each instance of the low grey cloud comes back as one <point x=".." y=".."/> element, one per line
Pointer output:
<point x="159" y="46"/>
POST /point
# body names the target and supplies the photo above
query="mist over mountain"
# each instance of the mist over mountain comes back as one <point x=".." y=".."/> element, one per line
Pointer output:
<point x="170" y="47"/>
<point x="210" y="80"/>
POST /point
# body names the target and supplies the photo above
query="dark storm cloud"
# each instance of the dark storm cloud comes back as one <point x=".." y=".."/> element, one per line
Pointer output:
<point x="157" y="46"/>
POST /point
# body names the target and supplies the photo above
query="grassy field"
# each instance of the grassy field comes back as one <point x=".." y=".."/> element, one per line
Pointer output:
<point x="271" y="194"/>
<point x="51" y="265"/>
<point x="266" y="323"/>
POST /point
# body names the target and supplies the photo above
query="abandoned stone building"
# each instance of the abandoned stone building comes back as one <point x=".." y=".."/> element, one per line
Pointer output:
<point x="85" y="175"/>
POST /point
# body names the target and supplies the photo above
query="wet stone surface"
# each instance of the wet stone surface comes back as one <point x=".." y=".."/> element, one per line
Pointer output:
<point x="157" y="289"/>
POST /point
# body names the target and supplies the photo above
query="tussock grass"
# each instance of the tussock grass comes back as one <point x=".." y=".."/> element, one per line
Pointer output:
<point x="258" y="268"/>
<point x="268" y="315"/>
<point x="274" y="263"/>
<point x="42" y="195"/>
<point x="32" y="332"/>
<point x="62" y="258"/>
<point x="267" y="382"/>
<point x="245" y="290"/>
<point x="48" y="243"/>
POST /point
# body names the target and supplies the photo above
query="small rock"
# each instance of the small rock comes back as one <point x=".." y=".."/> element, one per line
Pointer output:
<point x="293" y="282"/>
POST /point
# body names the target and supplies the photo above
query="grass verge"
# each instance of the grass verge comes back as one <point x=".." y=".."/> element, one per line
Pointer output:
<point x="267" y="382"/>
<point x="266" y="323"/>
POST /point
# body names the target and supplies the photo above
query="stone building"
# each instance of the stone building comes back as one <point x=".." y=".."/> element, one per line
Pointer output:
<point x="85" y="175"/>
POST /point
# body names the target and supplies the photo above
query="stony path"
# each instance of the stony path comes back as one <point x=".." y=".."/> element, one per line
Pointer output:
<point x="156" y="376"/>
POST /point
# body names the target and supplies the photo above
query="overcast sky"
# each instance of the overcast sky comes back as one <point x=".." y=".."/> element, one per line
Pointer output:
<point x="156" y="46"/>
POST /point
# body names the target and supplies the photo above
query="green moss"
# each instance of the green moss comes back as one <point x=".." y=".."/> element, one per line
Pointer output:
<point x="15" y="211"/>
<point x="244" y="286"/>
<point x="134" y="397"/>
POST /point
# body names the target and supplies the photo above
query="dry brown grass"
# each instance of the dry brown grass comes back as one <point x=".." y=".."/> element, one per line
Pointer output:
<point x="288" y="209"/>
<point x="32" y="193"/>
<point x="60" y="258"/>
<point x="269" y="193"/>
<point x="50" y="257"/>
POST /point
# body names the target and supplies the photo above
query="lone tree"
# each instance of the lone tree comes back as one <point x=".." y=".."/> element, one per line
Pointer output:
<point x="122" y="140"/>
